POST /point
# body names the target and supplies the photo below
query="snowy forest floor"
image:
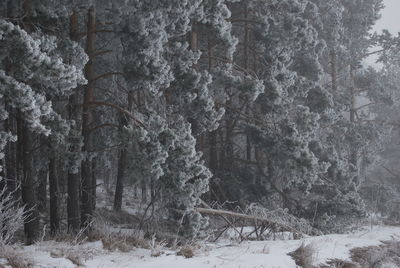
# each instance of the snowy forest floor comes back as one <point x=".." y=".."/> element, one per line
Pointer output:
<point x="116" y="245"/>
<point x="227" y="254"/>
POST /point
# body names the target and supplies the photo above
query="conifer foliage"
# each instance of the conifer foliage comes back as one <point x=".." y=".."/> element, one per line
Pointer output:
<point x="191" y="102"/>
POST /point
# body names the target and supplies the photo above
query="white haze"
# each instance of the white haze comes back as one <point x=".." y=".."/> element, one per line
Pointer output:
<point x="390" y="17"/>
<point x="390" y="20"/>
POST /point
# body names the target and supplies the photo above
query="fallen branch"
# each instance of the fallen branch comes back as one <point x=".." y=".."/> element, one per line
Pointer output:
<point x="226" y="213"/>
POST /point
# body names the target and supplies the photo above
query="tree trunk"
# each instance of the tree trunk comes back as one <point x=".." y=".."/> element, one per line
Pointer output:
<point x="144" y="191"/>
<point x="73" y="209"/>
<point x="94" y="184"/>
<point x="42" y="190"/>
<point x="123" y="158"/>
<point x="19" y="150"/>
<point x="3" y="127"/>
<point x="212" y="137"/>
<point x="221" y="151"/>
<point x="122" y="162"/>
<point x="213" y="134"/>
<point x="29" y="199"/>
<point x="228" y="141"/>
<point x="87" y="119"/>
<point x="25" y="141"/>
<point x="246" y="67"/>
<point x="54" y="190"/>
<point x="193" y="47"/>
<point x="11" y="156"/>
<point x="119" y="188"/>
<point x="353" y="115"/>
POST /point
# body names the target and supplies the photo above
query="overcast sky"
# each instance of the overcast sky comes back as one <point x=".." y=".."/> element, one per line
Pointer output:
<point x="390" y="17"/>
<point x="390" y="20"/>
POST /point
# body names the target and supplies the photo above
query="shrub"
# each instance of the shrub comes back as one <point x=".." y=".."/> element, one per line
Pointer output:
<point x="12" y="216"/>
<point x="303" y="256"/>
<point x="14" y="257"/>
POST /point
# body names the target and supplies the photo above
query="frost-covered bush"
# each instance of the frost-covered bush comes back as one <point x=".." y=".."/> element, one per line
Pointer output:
<point x="165" y="156"/>
<point x="11" y="217"/>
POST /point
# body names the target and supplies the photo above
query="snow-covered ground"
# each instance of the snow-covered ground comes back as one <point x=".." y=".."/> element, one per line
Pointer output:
<point x="272" y="254"/>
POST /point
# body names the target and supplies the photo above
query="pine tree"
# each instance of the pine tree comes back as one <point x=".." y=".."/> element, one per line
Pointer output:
<point x="37" y="74"/>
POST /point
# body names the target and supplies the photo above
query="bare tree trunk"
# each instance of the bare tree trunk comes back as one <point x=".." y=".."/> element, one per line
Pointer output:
<point x="246" y="67"/>
<point x="54" y="190"/>
<point x="144" y="191"/>
<point x="213" y="134"/>
<point x="193" y="47"/>
<point x="29" y="199"/>
<point x="353" y="115"/>
<point x="221" y="165"/>
<point x="107" y="174"/>
<point x="42" y="190"/>
<point x="212" y="137"/>
<point x="228" y="141"/>
<point x="122" y="161"/>
<point x="94" y="184"/>
<point x="11" y="155"/>
<point x="19" y="149"/>
<point x="73" y="209"/>
<point x="3" y="127"/>
<point x="87" y="119"/>
<point x="25" y="140"/>
<point x="119" y="188"/>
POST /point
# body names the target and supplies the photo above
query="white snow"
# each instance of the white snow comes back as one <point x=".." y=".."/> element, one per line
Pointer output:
<point x="248" y="254"/>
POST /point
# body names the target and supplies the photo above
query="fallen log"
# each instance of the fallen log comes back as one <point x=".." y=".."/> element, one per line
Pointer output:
<point x="227" y="213"/>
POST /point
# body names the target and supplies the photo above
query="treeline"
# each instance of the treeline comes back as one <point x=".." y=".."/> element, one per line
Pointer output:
<point x="242" y="101"/>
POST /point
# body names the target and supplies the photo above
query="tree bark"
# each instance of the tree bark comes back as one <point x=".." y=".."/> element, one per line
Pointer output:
<point x="122" y="161"/>
<point x="10" y="160"/>
<point x="87" y="119"/>
<point x="94" y="184"/>
<point x="212" y="138"/>
<point x="3" y="127"/>
<point x="42" y="190"/>
<point x="353" y="115"/>
<point x="73" y="209"/>
<point x="54" y="190"/>
<point x="25" y="140"/>
<point x="119" y="188"/>
<point x="144" y="191"/>
<point x="246" y="67"/>
<point x="31" y="225"/>
<point x="193" y="47"/>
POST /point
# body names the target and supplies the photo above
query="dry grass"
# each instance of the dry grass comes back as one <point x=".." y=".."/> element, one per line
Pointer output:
<point x="76" y="259"/>
<point x="386" y="254"/>
<point x="383" y="256"/>
<point x="12" y="216"/>
<point x="372" y="256"/>
<point x="78" y="254"/>
<point x="113" y="240"/>
<point x="69" y="238"/>
<point x="186" y="251"/>
<point x="75" y="256"/>
<point x="337" y="263"/>
<point x="303" y="256"/>
<point x="15" y="258"/>
<point x="114" y="217"/>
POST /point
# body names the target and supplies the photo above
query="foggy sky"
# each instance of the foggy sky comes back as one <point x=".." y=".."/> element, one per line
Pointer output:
<point x="390" y="17"/>
<point x="390" y="20"/>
